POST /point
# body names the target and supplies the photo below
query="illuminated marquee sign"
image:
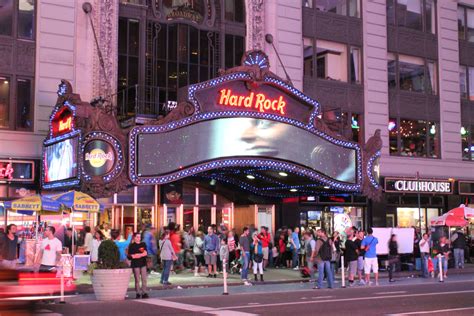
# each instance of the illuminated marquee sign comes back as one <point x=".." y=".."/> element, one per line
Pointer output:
<point x="17" y="171"/>
<point x="65" y="125"/>
<point x="62" y="121"/>
<point x="418" y="186"/>
<point x="257" y="101"/>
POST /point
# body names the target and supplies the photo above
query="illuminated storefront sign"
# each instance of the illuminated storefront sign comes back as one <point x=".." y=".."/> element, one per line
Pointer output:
<point x="252" y="100"/>
<point x="65" y="125"/>
<point x="99" y="157"/>
<point x="418" y="186"/>
<point x="62" y="121"/>
<point x="17" y="171"/>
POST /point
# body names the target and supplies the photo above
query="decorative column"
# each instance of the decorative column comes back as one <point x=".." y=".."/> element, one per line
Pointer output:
<point x="105" y="17"/>
<point x="255" y="24"/>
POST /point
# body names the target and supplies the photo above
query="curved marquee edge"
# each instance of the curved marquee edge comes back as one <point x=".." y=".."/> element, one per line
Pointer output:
<point x="235" y="162"/>
<point x="119" y="165"/>
<point x="370" y="168"/>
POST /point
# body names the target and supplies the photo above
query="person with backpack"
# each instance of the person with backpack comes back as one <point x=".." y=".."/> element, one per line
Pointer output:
<point x="369" y="244"/>
<point x="323" y="253"/>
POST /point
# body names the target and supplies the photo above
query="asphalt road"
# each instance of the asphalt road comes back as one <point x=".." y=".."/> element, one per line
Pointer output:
<point x="454" y="297"/>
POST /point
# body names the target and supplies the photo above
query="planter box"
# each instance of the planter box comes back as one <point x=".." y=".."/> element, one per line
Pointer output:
<point x="111" y="285"/>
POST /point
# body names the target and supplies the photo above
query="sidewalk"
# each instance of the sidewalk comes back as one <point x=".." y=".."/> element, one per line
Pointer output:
<point x="186" y="279"/>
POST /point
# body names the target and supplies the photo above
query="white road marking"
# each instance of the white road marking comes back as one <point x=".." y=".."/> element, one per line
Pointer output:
<point x="195" y="308"/>
<point x="436" y="311"/>
<point x="321" y="297"/>
<point x="253" y="303"/>
<point x="394" y="292"/>
<point x="351" y="299"/>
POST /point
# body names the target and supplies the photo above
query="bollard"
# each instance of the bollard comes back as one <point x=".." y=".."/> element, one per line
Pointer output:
<point x="343" y="278"/>
<point x="61" y="300"/>
<point x="440" y="266"/>
<point x="224" y="274"/>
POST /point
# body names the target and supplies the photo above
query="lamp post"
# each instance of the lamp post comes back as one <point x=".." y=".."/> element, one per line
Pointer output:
<point x="419" y="202"/>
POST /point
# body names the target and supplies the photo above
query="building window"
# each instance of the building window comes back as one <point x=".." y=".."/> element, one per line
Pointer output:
<point x="26" y="18"/>
<point x="24" y="108"/>
<point x="466" y="82"/>
<point x="418" y="15"/>
<point x="6" y="17"/>
<point x="4" y="102"/>
<point x="234" y="50"/>
<point x="332" y="61"/>
<point x="308" y="53"/>
<point x="414" y="138"/>
<point x="467" y="141"/>
<point x="355" y="65"/>
<point x="234" y="11"/>
<point x="466" y="23"/>
<point x="21" y="12"/>
<point x="413" y="73"/>
<point x="341" y="7"/>
<point x="307" y="3"/>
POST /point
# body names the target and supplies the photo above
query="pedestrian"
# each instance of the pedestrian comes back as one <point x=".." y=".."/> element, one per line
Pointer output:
<point x="149" y="238"/>
<point x="458" y="241"/>
<point x="8" y="248"/>
<point x="50" y="250"/>
<point x="295" y="248"/>
<point x="393" y="257"/>
<point x="323" y="259"/>
<point x="122" y="244"/>
<point x="424" y="254"/>
<point x="175" y="239"/>
<point x="310" y="250"/>
<point x="336" y="252"/>
<point x="257" y="250"/>
<point x="106" y="231"/>
<point x="137" y="254"/>
<point x="88" y="240"/>
<point x="68" y="241"/>
<point x="245" y="253"/>
<point x="288" y="243"/>
<point x="224" y="253"/>
<point x="198" y="251"/>
<point x="369" y="244"/>
<point x="96" y="241"/>
<point x="232" y="244"/>
<point x="211" y="249"/>
<point x="266" y="239"/>
<point x="167" y="256"/>
<point x="442" y="248"/>
<point x="360" y="258"/>
<point x="351" y="254"/>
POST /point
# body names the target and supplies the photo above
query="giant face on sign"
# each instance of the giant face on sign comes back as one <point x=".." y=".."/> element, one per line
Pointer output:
<point x="161" y="154"/>
<point x="60" y="160"/>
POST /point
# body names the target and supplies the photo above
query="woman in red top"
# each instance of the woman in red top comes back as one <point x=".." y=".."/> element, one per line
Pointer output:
<point x="281" y="251"/>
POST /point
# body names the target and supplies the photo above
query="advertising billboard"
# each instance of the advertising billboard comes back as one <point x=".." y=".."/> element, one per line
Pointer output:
<point x="99" y="157"/>
<point x="60" y="160"/>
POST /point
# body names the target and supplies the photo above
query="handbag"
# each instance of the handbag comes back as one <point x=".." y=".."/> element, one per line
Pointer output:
<point x="430" y="265"/>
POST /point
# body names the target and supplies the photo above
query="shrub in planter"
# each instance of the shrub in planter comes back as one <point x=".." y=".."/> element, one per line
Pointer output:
<point x="110" y="277"/>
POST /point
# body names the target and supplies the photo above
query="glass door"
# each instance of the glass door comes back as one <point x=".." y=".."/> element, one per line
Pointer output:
<point x="204" y="218"/>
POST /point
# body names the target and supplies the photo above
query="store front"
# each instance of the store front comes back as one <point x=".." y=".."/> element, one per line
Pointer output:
<point x="229" y="153"/>
<point x="412" y="202"/>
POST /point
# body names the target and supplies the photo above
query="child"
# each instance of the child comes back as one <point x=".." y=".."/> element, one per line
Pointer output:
<point x="224" y="252"/>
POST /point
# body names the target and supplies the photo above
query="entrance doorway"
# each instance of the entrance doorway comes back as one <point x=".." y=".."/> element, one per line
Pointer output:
<point x="204" y="218"/>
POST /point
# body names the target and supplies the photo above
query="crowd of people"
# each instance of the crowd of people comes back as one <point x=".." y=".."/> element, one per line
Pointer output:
<point x="208" y="251"/>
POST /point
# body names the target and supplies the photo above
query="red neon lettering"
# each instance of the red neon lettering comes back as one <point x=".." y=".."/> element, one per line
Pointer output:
<point x="7" y="172"/>
<point x="65" y="125"/>
<point x="261" y="103"/>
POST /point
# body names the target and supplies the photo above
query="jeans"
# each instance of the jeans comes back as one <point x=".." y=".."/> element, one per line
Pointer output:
<point x="245" y="267"/>
<point x="325" y="266"/>
<point x="392" y="265"/>
<point x="312" y="270"/>
<point x="424" y="264"/>
<point x="294" y="255"/>
<point x="458" y="258"/>
<point x="444" y="262"/>
<point x="140" y="273"/>
<point x="165" y="275"/>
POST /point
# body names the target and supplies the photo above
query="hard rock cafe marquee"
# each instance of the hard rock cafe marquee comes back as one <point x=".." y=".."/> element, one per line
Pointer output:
<point x="247" y="130"/>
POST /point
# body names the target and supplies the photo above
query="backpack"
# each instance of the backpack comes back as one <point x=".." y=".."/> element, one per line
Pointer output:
<point x="325" y="252"/>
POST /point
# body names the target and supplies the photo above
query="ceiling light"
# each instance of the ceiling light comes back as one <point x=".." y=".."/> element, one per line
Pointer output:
<point x="283" y="174"/>
<point x="326" y="187"/>
<point x="249" y="176"/>
<point x="293" y="190"/>
<point x="213" y="182"/>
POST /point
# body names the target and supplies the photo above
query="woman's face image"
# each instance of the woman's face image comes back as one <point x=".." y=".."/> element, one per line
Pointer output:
<point x="261" y="135"/>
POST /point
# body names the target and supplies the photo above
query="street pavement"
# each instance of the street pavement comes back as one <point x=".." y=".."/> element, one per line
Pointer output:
<point x="407" y="296"/>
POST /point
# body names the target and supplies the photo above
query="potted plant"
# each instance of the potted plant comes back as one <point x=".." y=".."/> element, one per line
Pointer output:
<point x="110" y="277"/>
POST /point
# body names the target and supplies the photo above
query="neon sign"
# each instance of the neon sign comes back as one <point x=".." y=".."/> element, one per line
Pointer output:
<point x="6" y="171"/>
<point x="97" y="157"/>
<point x="65" y="125"/>
<point x="257" y="101"/>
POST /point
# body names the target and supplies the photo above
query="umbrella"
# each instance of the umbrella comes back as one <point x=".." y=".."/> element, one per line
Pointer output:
<point x="456" y="217"/>
<point x="36" y="203"/>
<point x="78" y="201"/>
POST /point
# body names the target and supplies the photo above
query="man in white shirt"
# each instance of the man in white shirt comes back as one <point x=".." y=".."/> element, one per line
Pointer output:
<point x="50" y="251"/>
<point x="424" y="254"/>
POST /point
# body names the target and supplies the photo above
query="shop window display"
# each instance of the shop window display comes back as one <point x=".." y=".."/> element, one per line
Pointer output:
<point x="410" y="217"/>
<point x="414" y="138"/>
<point x="467" y="142"/>
<point x="332" y="218"/>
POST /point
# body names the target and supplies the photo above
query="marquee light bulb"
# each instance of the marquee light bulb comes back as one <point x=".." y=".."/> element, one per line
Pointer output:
<point x="283" y="174"/>
<point x="293" y="190"/>
<point x="249" y="176"/>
